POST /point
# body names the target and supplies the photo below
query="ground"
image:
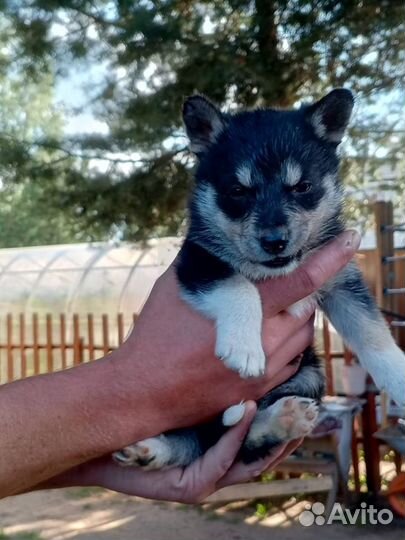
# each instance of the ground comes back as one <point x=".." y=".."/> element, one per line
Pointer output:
<point x="90" y="514"/>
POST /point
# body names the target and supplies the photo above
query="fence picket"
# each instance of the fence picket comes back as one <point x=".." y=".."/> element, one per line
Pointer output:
<point x="22" y="346"/>
<point x="35" y="346"/>
<point x="10" y="357"/>
<point x="90" y="334"/>
<point x="49" y="343"/>
<point x="106" y="345"/>
<point x="62" y="326"/>
<point x="120" y="328"/>
<point x="76" y="340"/>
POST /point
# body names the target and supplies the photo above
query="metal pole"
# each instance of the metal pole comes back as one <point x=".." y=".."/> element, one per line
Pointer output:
<point x="394" y="258"/>
<point x="395" y="291"/>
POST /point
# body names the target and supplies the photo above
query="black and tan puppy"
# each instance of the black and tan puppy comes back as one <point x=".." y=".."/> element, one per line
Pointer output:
<point x="267" y="194"/>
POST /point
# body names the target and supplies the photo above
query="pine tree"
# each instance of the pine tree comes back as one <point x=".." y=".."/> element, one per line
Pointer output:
<point x="241" y="53"/>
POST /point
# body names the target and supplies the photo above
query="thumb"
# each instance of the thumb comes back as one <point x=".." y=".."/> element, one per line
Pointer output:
<point x="280" y="293"/>
<point x="218" y="460"/>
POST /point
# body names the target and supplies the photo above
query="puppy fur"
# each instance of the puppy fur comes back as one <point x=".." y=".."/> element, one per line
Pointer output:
<point x="267" y="194"/>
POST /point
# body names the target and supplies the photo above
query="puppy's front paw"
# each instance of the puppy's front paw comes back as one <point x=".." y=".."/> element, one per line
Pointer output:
<point x="149" y="454"/>
<point x="241" y="352"/>
<point x="388" y="371"/>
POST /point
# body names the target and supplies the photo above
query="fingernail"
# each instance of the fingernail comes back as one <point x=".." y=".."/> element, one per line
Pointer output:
<point x="351" y="240"/>
<point x="233" y="415"/>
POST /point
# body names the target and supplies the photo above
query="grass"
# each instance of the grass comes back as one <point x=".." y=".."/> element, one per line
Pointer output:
<point x="262" y="510"/>
<point x="82" y="493"/>
<point x="28" y="535"/>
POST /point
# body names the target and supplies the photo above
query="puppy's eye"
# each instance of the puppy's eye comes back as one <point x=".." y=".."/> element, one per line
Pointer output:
<point x="238" y="191"/>
<point x="302" y="187"/>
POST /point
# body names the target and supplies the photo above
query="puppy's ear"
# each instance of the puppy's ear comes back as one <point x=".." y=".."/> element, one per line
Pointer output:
<point x="203" y="121"/>
<point x="330" y="116"/>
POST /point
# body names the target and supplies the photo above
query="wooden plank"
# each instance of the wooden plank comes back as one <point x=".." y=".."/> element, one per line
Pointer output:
<point x="371" y="444"/>
<point x="347" y="356"/>
<point x="120" y="327"/>
<point x="355" y="460"/>
<point x="9" y="343"/>
<point x="23" y="353"/>
<point x="328" y="357"/>
<point x="383" y="215"/>
<point x="258" y="490"/>
<point x="309" y="465"/>
<point x="106" y="345"/>
<point x="384" y="219"/>
<point x="62" y="336"/>
<point x="76" y="340"/>
<point x="49" y="344"/>
<point x="35" y="343"/>
<point x="90" y="335"/>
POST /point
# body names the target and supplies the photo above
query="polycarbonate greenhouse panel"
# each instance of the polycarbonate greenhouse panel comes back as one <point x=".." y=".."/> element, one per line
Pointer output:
<point x="82" y="278"/>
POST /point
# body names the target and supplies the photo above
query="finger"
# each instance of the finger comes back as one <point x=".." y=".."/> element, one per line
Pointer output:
<point x="280" y="293"/>
<point x="289" y="449"/>
<point x="242" y="472"/>
<point x="200" y="479"/>
<point x="216" y="462"/>
<point x="288" y="351"/>
<point x="282" y="328"/>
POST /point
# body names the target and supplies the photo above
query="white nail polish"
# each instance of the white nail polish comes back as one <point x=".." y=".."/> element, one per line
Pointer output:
<point x="233" y="415"/>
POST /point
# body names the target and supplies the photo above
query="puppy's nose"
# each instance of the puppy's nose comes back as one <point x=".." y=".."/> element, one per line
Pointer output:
<point x="275" y="242"/>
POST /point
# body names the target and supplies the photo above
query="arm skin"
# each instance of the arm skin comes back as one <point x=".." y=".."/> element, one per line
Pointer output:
<point x="215" y="470"/>
<point x="163" y="377"/>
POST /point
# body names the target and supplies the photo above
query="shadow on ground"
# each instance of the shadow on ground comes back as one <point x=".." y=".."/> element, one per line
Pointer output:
<point x="92" y="514"/>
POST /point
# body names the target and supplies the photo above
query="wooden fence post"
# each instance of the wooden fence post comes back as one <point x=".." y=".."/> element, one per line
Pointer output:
<point x="10" y="356"/>
<point x="384" y="218"/>
<point x="62" y="325"/>
<point x="105" y="326"/>
<point x="44" y="347"/>
<point x="49" y="343"/>
<point x="77" y="341"/>
<point x="35" y="344"/>
<point x="22" y="346"/>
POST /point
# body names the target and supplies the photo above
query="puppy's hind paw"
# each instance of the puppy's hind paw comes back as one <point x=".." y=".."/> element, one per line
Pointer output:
<point x="288" y="418"/>
<point x="149" y="454"/>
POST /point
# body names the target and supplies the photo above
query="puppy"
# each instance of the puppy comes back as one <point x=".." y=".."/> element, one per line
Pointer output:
<point x="267" y="194"/>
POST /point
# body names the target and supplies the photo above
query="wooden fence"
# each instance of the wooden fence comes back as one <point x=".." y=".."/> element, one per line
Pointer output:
<point x="31" y="344"/>
<point x="34" y="344"/>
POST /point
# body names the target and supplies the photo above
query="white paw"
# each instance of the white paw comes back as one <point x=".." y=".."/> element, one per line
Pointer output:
<point x="387" y="369"/>
<point x="289" y="418"/>
<point x="303" y="307"/>
<point x="241" y="351"/>
<point x="149" y="454"/>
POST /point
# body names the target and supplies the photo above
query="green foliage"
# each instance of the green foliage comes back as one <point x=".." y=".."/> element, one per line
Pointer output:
<point x="28" y="535"/>
<point x="262" y="510"/>
<point x="83" y="493"/>
<point x="151" y="54"/>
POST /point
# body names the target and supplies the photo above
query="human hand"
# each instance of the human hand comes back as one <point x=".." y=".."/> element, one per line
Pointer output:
<point x="192" y="484"/>
<point x="171" y="348"/>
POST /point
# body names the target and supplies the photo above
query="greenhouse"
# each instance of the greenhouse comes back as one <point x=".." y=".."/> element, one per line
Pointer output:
<point x="66" y="304"/>
<point x="82" y="278"/>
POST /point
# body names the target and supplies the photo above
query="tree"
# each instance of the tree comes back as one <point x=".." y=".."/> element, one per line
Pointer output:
<point x="238" y="52"/>
<point x="28" y="213"/>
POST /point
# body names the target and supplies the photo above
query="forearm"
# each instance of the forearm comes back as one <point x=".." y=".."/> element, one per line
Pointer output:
<point x="53" y="422"/>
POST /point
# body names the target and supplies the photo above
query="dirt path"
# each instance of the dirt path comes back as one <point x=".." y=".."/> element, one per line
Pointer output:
<point x="84" y="514"/>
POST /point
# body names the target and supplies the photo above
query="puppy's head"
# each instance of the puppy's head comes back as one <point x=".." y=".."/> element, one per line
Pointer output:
<point x="267" y="189"/>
